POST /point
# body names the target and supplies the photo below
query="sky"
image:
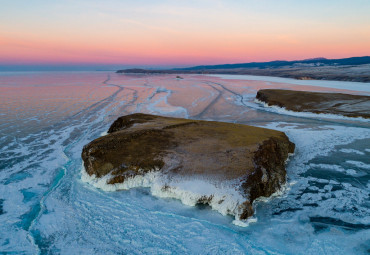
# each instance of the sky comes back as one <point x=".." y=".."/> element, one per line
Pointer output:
<point x="180" y="32"/>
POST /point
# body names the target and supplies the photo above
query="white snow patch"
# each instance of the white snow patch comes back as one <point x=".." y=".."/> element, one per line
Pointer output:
<point x="352" y="151"/>
<point x="334" y="168"/>
<point x="104" y="133"/>
<point x="245" y="223"/>
<point x="222" y="197"/>
<point x="159" y="104"/>
<point x="354" y="86"/>
<point x="358" y="164"/>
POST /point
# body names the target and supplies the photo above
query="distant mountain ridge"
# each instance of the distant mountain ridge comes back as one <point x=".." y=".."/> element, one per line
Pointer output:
<point x="344" y="69"/>
<point x="281" y="63"/>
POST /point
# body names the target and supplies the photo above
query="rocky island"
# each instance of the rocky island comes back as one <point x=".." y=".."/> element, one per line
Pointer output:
<point x="224" y="165"/>
<point x="317" y="102"/>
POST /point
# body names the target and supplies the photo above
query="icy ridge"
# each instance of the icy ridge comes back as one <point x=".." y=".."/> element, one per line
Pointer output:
<point x="225" y="198"/>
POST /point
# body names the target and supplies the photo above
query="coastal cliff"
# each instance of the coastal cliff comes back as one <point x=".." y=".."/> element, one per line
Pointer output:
<point x="246" y="161"/>
<point x="317" y="102"/>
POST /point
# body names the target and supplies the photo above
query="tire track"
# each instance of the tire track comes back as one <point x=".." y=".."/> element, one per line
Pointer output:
<point x="231" y="91"/>
<point x="211" y="104"/>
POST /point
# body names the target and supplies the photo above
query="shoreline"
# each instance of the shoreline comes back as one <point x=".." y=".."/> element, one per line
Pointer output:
<point x="293" y="77"/>
<point x="349" y="73"/>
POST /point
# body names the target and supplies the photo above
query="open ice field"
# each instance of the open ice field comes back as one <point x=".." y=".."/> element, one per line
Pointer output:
<point x="46" y="207"/>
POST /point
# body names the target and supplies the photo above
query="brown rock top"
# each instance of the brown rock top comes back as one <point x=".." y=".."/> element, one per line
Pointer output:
<point x="137" y="144"/>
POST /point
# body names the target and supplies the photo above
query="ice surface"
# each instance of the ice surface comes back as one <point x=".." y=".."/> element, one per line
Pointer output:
<point x="352" y="151"/>
<point x="46" y="208"/>
<point x="346" y="85"/>
<point x="222" y="197"/>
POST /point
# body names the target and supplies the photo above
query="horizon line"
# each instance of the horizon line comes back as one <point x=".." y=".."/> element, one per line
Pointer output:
<point x="115" y="65"/>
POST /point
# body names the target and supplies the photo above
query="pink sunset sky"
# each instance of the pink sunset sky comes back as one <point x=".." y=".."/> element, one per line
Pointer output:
<point x="181" y="33"/>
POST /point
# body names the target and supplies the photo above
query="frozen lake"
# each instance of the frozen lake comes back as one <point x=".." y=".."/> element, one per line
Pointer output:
<point x="47" y="117"/>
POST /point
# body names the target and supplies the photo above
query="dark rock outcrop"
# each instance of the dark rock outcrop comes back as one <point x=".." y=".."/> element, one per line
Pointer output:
<point x="317" y="102"/>
<point x="137" y="144"/>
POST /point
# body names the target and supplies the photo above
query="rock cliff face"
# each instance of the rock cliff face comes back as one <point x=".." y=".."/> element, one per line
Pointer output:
<point x="329" y="103"/>
<point x="248" y="160"/>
